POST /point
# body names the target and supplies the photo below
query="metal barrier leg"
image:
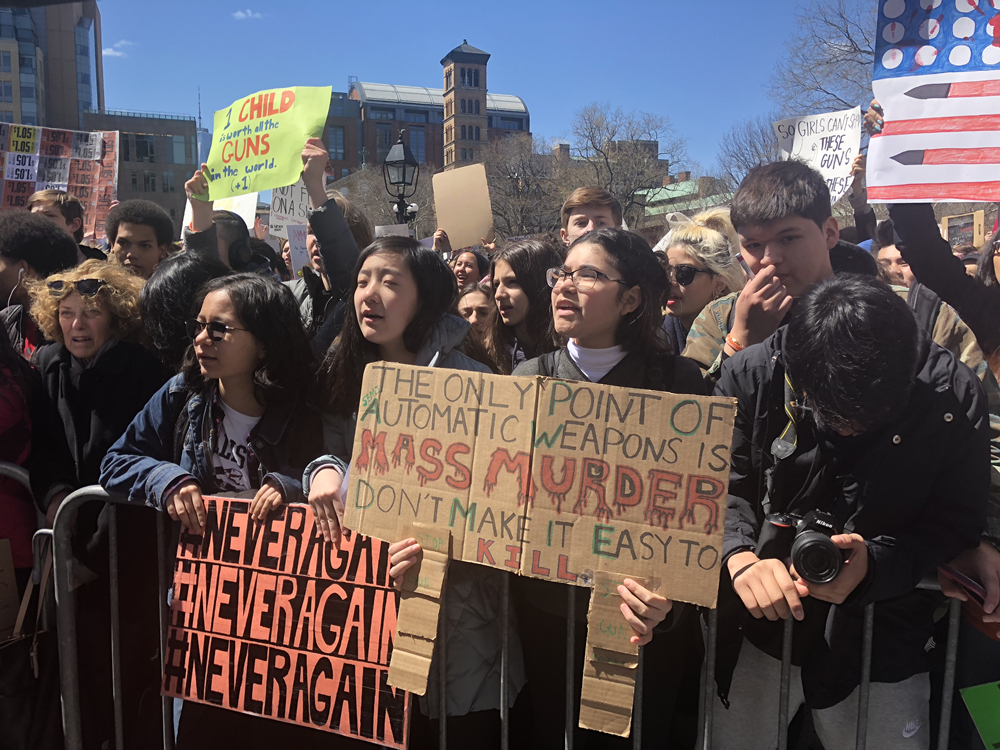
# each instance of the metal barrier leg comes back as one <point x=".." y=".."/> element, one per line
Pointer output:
<point x="443" y="674"/>
<point x="864" y="688"/>
<point x="786" y="679"/>
<point x="162" y="540"/>
<point x="116" y="636"/>
<point x="708" y="688"/>
<point x="950" y="660"/>
<point x="504" y="663"/>
<point x="570" y="649"/>
<point x="637" y="705"/>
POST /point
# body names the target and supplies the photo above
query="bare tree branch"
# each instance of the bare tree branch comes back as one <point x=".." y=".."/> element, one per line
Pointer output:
<point x="745" y="145"/>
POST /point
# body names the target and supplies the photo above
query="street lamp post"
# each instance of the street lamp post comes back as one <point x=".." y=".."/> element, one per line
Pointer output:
<point x="401" y="172"/>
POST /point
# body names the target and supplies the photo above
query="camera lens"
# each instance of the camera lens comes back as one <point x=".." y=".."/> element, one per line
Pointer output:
<point x="815" y="557"/>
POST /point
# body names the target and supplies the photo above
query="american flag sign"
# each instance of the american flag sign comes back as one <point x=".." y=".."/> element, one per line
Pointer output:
<point x="937" y="77"/>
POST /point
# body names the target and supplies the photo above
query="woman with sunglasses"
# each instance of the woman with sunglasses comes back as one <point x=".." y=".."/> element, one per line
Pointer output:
<point x="97" y="376"/>
<point x="702" y="260"/>
<point x="402" y="296"/>
<point x="234" y="420"/>
<point x="606" y="299"/>
<point x="520" y="326"/>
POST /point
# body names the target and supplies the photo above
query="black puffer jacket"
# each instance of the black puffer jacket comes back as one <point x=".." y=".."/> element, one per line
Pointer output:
<point x="915" y="490"/>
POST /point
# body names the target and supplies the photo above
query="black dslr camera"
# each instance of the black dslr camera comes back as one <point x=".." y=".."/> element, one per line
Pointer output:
<point x="806" y="539"/>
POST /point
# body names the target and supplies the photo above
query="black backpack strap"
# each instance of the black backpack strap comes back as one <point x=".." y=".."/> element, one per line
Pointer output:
<point x="926" y="307"/>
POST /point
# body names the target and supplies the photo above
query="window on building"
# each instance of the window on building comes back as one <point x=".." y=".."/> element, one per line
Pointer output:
<point x="463" y="106"/>
<point x="149" y="182"/>
<point x="463" y="132"/>
<point x="476" y="84"/>
<point x="169" y="185"/>
<point x="411" y="116"/>
<point x="5" y="62"/>
<point x="418" y="144"/>
<point x="463" y="154"/>
<point x="27" y="92"/>
<point x="447" y="80"/>
<point x="477" y="107"/>
<point x="463" y="76"/>
<point x="145" y="149"/>
<point x="8" y="91"/>
<point x="26" y="62"/>
<point x="336" y="135"/>
<point x="510" y="123"/>
<point x="177" y="152"/>
<point x="477" y="132"/>
<point x="7" y="115"/>
<point x="135" y="181"/>
<point x="383" y="141"/>
<point x="344" y="172"/>
<point x="382" y="114"/>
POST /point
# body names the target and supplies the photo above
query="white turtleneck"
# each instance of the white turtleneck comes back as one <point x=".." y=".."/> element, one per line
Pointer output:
<point x="595" y="363"/>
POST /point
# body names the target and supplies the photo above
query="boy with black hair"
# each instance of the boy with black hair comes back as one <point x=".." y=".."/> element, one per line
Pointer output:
<point x="31" y="247"/>
<point x="850" y="411"/>
<point x="141" y="234"/>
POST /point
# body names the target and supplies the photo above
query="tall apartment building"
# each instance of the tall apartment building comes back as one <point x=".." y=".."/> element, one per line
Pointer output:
<point x="51" y="70"/>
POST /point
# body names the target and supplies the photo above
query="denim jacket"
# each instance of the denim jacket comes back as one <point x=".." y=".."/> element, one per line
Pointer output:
<point x="149" y="461"/>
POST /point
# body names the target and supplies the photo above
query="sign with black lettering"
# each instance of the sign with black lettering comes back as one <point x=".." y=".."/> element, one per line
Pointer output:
<point x="270" y="620"/>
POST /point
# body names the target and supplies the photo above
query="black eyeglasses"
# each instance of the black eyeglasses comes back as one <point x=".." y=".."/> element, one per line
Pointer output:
<point x="216" y="330"/>
<point x="583" y="279"/>
<point x="685" y="274"/>
<point x="83" y="287"/>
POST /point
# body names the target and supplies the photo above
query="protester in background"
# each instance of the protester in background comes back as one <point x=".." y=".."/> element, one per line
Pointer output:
<point x="961" y="251"/>
<point x="702" y="265"/>
<point x="66" y="212"/>
<point x="402" y="295"/>
<point x="520" y="328"/>
<point x="587" y="209"/>
<point x="141" y="234"/>
<point x="286" y="256"/>
<point x="234" y="420"/>
<point x="31" y="248"/>
<point x="166" y="300"/>
<point x="474" y="304"/>
<point x="470" y="267"/>
<point x="271" y="262"/>
<point x="884" y="249"/>
<point x="907" y="488"/>
<point x="606" y="301"/>
<point x="99" y="376"/>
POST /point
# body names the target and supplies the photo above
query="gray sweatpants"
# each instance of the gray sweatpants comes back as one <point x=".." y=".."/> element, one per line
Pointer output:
<point x="897" y="712"/>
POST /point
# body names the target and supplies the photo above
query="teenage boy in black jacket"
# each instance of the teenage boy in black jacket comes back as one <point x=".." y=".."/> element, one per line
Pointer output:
<point x="848" y="409"/>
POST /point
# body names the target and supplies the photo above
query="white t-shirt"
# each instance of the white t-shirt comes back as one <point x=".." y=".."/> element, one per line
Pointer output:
<point x="230" y="459"/>
<point x="595" y="363"/>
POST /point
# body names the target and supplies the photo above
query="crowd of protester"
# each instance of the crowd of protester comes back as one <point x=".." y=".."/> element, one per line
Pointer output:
<point x="864" y="386"/>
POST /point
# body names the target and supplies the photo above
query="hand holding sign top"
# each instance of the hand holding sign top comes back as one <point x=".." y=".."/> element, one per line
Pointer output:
<point x="327" y="502"/>
<point x="197" y="195"/>
<point x="643" y="610"/>
<point x="403" y="556"/>
<point x="980" y="564"/>
<point x="268" y="498"/>
<point x="314" y="161"/>
<point x="186" y="505"/>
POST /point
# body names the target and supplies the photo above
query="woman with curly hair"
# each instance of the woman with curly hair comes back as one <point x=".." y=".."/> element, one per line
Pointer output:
<point x="98" y="376"/>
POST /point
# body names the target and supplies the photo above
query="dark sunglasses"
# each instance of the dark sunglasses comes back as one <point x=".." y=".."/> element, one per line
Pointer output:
<point x="685" y="274"/>
<point x="216" y="330"/>
<point x="83" y="287"/>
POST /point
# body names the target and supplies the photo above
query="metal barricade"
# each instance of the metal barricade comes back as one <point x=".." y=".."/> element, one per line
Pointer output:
<point x="69" y="671"/>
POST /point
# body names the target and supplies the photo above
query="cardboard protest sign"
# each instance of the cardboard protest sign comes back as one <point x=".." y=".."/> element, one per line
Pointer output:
<point x="258" y="139"/>
<point x="936" y="76"/>
<point x="298" y="247"/>
<point x="983" y="702"/>
<point x="289" y="205"/>
<point x="965" y="229"/>
<point x="462" y="205"/>
<point x="828" y="143"/>
<point x="84" y="164"/>
<point x="270" y="620"/>
<point x="244" y="206"/>
<point x="548" y="478"/>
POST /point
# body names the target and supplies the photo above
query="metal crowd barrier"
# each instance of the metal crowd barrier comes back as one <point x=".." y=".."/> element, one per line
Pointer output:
<point x="69" y="675"/>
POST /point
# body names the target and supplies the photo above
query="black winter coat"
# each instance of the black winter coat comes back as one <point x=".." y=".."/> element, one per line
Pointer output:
<point x="915" y="490"/>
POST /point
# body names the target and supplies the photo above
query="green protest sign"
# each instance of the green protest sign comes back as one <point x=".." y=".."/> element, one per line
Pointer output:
<point x="983" y="702"/>
<point x="257" y="143"/>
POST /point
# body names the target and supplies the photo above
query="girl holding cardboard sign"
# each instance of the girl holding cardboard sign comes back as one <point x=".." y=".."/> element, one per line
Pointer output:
<point x="606" y="303"/>
<point x="402" y="296"/>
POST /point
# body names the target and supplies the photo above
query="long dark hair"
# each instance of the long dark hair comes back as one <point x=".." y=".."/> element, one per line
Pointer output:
<point x="344" y="365"/>
<point x="529" y="260"/>
<point x="633" y="259"/>
<point x="267" y="310"/>
<point x="166" y="301"/>
<point x="985" y="270"/>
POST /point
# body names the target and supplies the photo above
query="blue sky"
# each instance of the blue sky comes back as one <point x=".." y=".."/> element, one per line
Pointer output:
<point x="702" y="64"/>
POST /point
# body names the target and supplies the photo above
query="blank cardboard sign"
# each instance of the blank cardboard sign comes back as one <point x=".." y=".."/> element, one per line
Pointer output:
<point x="462" y="205"/>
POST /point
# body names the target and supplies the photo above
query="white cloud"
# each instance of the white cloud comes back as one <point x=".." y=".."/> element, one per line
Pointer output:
<point x="118" y="49"/>
<point x="240" y="15"/>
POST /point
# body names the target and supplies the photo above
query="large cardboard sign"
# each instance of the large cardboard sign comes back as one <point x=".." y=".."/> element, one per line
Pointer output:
<point x="937" y="76"/>
<point x="828" y="143"/>
<point x="258" y="139"/>
<point x="965" y="229"/>
<point x="462" y="205"/>
<point x="548" y="478"/>
<point x="268" y="619"/>
<point x="84" y="164"/>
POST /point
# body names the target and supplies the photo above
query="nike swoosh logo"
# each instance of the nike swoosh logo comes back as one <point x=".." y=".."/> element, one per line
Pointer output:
<point x="911" y="729"/>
